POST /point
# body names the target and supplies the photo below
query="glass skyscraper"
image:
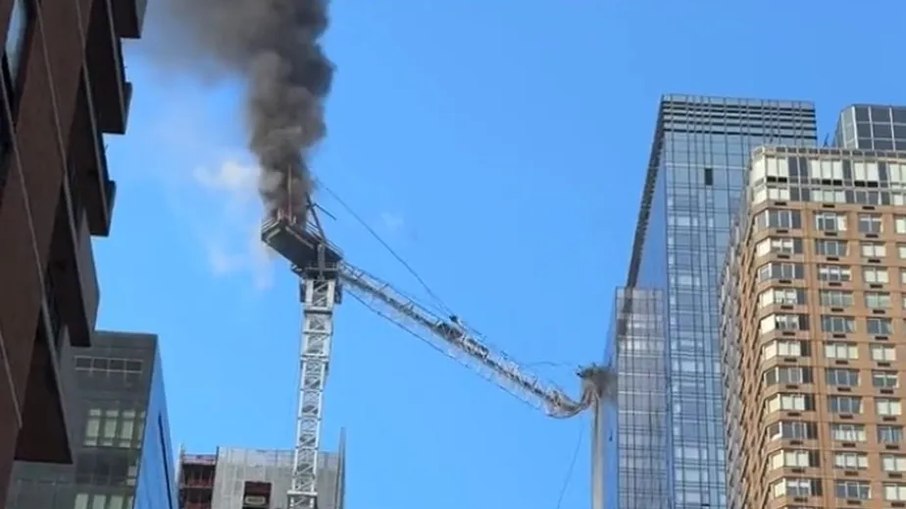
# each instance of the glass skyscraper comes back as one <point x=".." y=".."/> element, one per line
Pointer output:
<point x="695" y="176"/>
<point x="872" y="127"/>
<point x="121" y="438"/>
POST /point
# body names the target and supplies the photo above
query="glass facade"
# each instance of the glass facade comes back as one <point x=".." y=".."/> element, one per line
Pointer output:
<point x="641" y="443"/>
<point x="121" y="442"/>
<point x="872" y="127"/>
<point x="692" y="191"/>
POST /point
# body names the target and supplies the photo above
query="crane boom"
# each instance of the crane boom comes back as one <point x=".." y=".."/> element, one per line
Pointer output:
<point x="453" y="337"/>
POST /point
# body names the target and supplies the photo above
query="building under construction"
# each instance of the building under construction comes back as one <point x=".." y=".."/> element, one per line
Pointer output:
<point x="254" y="479"/>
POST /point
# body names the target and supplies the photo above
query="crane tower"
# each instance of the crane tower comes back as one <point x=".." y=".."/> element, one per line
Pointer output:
<point x="325" y="276"/>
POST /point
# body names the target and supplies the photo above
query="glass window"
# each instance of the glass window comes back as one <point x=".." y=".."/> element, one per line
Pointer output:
<point x="842" y="377"/>
<point x="781" y="296"/>
<point x="794" y="487"/>
<point x="888" y="434"/>
<point x="831" y="247"/>
<point x="81" y="501"/>
<point x="851" y="460"/>
<point x="830" y="222"/>
<point x="875" y="275"/>
<point x="893" y="463"/>
<point x="870" y="223"/>
<point x="843" y="432"/>
<point x="901" y="251"/>
<point x="877" y="300"/>
<point x="779" y="245"/>
<point x="885" y="379"/>
<point x="837" y="324"/>
<point x="794" y="458"/>
<point x="874" y="249"/>
<point x="858" y="490"/>
<point x="838" y="273"/>
<point x="888" y="406"/>
<point x="836" y="298"/>
<point x="793" y="430"/>
<point x="900" y="224"/>
<point x="845" y="404"/>
<point x="844" y="351"/>
<point x="894" y="491"/>
<point x="883" y="353"/>
<point x="790" y="401"/>
<point x="783" y="348"/>
<point x="788" y="375"/>
<point x="778" y="218"/>
<point x="878" y="326"/>
<point x="16" y="37"/>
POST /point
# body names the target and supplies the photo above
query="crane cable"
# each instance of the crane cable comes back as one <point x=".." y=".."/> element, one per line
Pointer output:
<point x="572" y="466"/>
<point x="386" y="246"/>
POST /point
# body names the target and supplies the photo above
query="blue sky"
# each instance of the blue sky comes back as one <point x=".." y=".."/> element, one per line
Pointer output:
<point x="500" y="147"/>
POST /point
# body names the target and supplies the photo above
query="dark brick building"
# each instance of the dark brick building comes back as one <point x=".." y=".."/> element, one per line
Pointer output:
<point x="63" y="85"/>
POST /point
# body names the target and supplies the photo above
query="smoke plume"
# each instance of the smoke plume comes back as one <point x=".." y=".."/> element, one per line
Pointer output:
<point x="273" y="46"/>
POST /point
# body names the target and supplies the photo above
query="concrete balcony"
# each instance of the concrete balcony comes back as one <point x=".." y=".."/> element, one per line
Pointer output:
<point x="129" y="17"/>
<point x="89" y="180"/>
<point x="44" y="435"/>
<point x="110" y="92"/>
<point x="72" y="289"/>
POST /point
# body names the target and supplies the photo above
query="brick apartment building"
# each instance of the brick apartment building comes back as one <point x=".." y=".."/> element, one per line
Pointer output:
<point x="63" y="85"/>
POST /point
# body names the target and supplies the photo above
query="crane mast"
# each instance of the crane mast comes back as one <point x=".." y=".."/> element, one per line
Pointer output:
<point x="324" y="277"/>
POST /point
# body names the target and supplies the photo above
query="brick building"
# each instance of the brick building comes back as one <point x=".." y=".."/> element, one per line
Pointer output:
<point x="63" y="85"/>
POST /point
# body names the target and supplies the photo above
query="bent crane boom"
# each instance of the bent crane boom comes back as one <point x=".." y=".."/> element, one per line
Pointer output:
<point x="457" y="340"/>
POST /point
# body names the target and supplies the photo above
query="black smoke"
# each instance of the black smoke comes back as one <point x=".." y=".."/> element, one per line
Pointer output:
<point x="273" y="45"/>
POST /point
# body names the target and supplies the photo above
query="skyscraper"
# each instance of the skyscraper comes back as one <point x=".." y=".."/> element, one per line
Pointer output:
<point x="872" y="127"/>
<point x="121" y="436"/>
<point x="813" y="299"/>
<point x="695" y="176"/>
<point x="62" y="84"/>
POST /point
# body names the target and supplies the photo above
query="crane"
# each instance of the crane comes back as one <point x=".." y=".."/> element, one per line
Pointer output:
<point x="324" y="279"/>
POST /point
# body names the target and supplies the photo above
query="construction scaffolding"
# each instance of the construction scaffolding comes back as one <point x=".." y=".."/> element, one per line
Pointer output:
<point x="642" y="438"/>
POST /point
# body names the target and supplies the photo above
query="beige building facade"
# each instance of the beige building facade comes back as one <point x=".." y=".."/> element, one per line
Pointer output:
<point x="813" y="326"/>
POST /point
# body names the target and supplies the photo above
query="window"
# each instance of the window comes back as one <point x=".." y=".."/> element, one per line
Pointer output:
<point x="851" y="460"/>
<point x="709" y="177"/>
<point x="885" y="379"/>
<point x="900" y="224"/>
<point x="795" y="487"/>
<point x="830" y="222"/>
<point x="788" y="375"/>
<point x="16" y="38"/>
<point x="831" y="247"/>
<point x="845" y="404"/>
<point x="893" y="463"/>
<point x="870" y="223"/>
<point x="778" y="218"/>
<point x="834" y="273"/>
<point x="903" y="277"/>
<point x="793" y="430"/>
<point x="783" y="245"/>
<point x="784" y="348"/>
<point x="901" y="251"/>
<point x="890" y="434"/>
<point x="877" y="300"/>
<point x="842" y="377"/>
<point x="857" y="490"/>
<point x="791" y="401"/>
<point x="888" y="406"/>
<point x="780" y="271"/>
<point x="836" y="298"/>
<point x="878" y="326"/>
<point x="843" y="351"/>
<point x="781" y="296"/>
<point x="113" y="427"/>
<point x="848" y="432"/>
<point x="837" y="324"/>
<point x="796" y="458"/>
<point x="895" y="492"/>
<point x="784" y="322"/>
<point x="883" y="353"/>
<point x="875" y="275"/>
<point x="874" y="250"/>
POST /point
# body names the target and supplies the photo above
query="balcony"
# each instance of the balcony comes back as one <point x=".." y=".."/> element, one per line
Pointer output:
<point x="110" y="92"/>
<point x="43" y="437"/>
<point x="129" y="17"/>
<point x="72" y="289"/>
<point x="89" y="180"/>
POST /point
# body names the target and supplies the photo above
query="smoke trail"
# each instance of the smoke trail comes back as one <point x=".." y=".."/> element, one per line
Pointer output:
<point x="273" y="45"/>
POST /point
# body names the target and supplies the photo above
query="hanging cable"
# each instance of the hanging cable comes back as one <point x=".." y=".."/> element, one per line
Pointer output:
<point x="572" y="466"/>
<point x="412" y="271"/>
